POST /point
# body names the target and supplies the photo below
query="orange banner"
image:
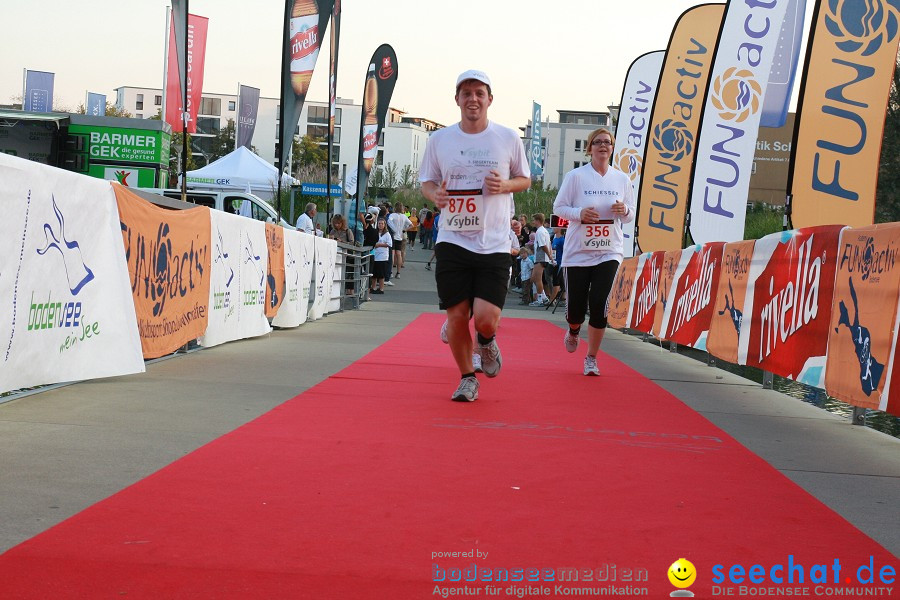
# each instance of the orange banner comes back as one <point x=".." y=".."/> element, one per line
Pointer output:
<point x="840" y="115"/>
<point x="275" y="274"/>
<point x="666" y="276"/>
<point x="728" y="312"/>
<point x="692" y="300"/>
<point x="665" y="181"/>
<point x="620" y="296"/>
<point x="643" y="306"/>
<point x="167" y="252"/>
<point x="864" y="315"/>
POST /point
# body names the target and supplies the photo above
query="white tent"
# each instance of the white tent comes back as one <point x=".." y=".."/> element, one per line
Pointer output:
<point x="237" y="171"/>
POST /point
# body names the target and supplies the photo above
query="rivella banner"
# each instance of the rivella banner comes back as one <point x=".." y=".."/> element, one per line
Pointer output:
<point x="840" y="114"/>
<point x="862" y="336"/>
<point x="646" y="285"/>
<point x="620" y="296"/>
<point x="634" y="124"/>
<point x="666" y="176"/>
<point x="237" y="288"/>
<point x="167" y="253"/>
<point x="724" y="156"/>
<point x="298" y="267"/>
<point x="727" y="318"/>
<point x="535" y="152"/>
<point x="66" y="312"/>
<point x="691" y="300"/>
<point x="670" y="262"/>
<point x="381" y="78"/>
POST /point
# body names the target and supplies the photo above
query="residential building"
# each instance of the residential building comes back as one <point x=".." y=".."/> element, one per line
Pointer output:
<point x="563" y="143"/>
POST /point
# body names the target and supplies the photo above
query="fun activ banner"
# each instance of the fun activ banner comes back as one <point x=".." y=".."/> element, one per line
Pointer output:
<point x="168" y="258"/>
<point x="298" y="267"/>
<point x="666" y="176"/>
<point x="847" y="78"/>
<point x="66" y="312"/>
<point x="248" y="108"/>
<point x="620" y="295"/>
<point x="191" y="63"/>
<point x="237" y="290"/>
<point x="633" y="125"/>
<point x="862" y="336"/>
<point x="730" y="123"/>
<point x="691" y="302"/>
<point x="728" y="313"/>
<point x="275" y="269"/>
<point x="646" y="286"/>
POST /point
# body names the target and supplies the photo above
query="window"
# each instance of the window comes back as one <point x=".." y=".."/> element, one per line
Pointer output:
<point x="139" y="116"/>
<point x="210" y="106"/>
<point x="231" y="105"/>
<point x="379" y="158"/>
<point x="381" y="138"/>
<point x="317" y="114"/>
<point x="317" y="131"/>
<point x="335" y="154"/>
<point x="337" y="116"/>
<point x="578" y="145"/>
<point x="337" y="135"/>
<point x="139" y="103"/>
<point x="157" y="100"/>
<point x="208" y="125"/>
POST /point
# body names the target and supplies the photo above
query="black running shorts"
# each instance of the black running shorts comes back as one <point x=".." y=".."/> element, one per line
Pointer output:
<point x="465" y="275"/>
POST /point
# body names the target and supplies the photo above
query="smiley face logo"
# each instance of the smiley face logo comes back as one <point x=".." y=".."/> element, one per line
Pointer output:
<point x="682" y="573"/>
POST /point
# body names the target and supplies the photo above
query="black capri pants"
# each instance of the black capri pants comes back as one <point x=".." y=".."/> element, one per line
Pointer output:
<point x="589" y="286"/>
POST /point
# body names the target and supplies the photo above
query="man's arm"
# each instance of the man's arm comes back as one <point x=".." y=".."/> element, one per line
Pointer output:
<point x="436" y="193"/>
<point x="497" y="185"/>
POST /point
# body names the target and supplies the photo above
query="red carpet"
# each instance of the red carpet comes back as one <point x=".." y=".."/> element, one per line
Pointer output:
<point x="347" y="490"/>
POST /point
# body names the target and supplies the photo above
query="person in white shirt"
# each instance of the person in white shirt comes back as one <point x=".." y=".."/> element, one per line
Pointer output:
<point x="596" y="200"/>
<point x="542" y="258"/>
<point x="305" y="221"/>
<point x="470" y="171"/>
<point x="398" y="223"/>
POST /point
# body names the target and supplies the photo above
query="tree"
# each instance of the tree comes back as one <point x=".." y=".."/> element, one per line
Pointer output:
<point x="308" y="151"/>
<point x="223" y="143"/>
<point x="887" y="196"/>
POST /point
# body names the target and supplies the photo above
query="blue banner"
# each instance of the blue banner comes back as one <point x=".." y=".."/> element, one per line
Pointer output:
<point x="535" y="155"/>
<point x="38" y="96"/>
<point x="318" y="189"/>
<point x="96" y="105"/>
<point x="784" y="66"/>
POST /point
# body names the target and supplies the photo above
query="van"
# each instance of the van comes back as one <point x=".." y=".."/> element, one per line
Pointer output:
<point x="227" y="201"/>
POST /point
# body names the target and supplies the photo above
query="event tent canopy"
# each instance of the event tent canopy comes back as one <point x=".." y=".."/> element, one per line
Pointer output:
<point x="238" y="171"/>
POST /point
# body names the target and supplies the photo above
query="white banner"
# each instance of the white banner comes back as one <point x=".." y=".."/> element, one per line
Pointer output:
<point x="737" y="85"/>
<point x="237" y="289"/>
<point x="66" y="311"/>
<point x="633" y="125"/>
<point x="326" y="255"/>
<point x="298" y="267"/>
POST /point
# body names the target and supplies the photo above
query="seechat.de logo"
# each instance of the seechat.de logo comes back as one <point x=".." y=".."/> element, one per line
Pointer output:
<point x="628" y="161"/>
<point x="862" y="27"/>
<point x="673" y="140"/>
<point x="736" y="94"/>
<point x="682" y="575"/>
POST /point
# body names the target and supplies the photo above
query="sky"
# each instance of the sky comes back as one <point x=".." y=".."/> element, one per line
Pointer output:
<point x="571" y="56"/>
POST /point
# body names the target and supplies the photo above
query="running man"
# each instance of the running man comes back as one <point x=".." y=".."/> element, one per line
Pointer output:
<point x="470" y="171"/>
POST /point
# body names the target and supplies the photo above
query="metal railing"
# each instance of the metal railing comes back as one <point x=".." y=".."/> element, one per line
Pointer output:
<point x="352" y="263"/>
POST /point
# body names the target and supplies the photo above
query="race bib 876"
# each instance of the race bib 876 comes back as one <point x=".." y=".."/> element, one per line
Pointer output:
<point x="464" y="212"/>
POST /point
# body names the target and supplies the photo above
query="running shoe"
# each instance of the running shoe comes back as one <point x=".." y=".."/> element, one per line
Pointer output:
<point x="390" y="283"/>
<point x="571" y="342"/>
<point x="490" y="358"/>
<point x="444" y="337"/>
<point x="427" y="266"/>
<point x="476" y="363"/>
<point x="590" y="365"/>
<point x="467" y="390"/>
<point x="540" y="302"/>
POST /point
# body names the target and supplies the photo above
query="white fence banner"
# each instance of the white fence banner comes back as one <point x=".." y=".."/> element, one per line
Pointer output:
<point x="298" y="267"/>
<point x="66" y="311"/>
<point x="633" y="126"/>
<point x="237" y="290"/>
<point x="326" y="255"/>
<point x="723" y="161"/>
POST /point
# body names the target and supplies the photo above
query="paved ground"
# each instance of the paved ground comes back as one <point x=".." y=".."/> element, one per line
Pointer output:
<point x="66" y="449"/>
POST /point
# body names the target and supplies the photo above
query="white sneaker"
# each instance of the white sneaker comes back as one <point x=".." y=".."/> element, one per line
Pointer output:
<point x="571" y="342"/>
<point x="467" y="390"/>
<point x="444" y="337"/>
<point x="390" y="283"/>
<point x="490" y="358"/>
<point x="540" y="302"/>
<point x="476" y="362"/>
<point x="590" y="365"/>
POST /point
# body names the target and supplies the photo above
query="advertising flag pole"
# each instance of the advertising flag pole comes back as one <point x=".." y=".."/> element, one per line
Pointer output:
<point x="184" y="114"/>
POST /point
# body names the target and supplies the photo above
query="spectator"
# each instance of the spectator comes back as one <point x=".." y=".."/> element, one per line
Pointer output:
<point x="542" y="258"/>
<point x="413" y="229"/>
<point x="398" y="223"/>
<point x="382" y="251"/>
<point x="526" y="266"/>
<point x="427" y="224"/>
<point x="305" y="221"/>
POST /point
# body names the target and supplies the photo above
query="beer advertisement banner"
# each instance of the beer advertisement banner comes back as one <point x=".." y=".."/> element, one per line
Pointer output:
<point x="305" y="22"/>
<point x="727" y="316"/>
<point x="323" y="274"/>
<point x="788" y="303"/>
<point x="862" y="331"/>
<point x="643" y="304"/>
<point x="66" y="312"/>
<point x="275" y="269"/>
<point x="666" y="277"/>
<point x="620" y="296"/>
<point x="784" y="66"/>
<point x="168" y="257"/>
<point x="675" y="122"/>
<point x="298" y="267"/>
<point x="692" y="301"/>
<point x="248" y="108"/>
<point x="193" y="78"/>
<point x="730" y="123"/>
<point x="237" y="288"/>
<point x="381" y="78"/>
<point x="840" y="115"/>
<point x="38" y="93"/>
<point x="634" y="124"/>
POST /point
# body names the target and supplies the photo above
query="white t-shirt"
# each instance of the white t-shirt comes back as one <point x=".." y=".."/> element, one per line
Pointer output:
<point x="381" y="252"/>
<point x="589" y="244"/>
<point x="541" y="239"/>
<point x="305" y="224"/>
<point x="463" y="160"/>
<point x="398" y="222"/>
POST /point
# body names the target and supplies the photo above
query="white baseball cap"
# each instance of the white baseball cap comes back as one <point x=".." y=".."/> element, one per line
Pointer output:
<point x="473" y="74"/>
